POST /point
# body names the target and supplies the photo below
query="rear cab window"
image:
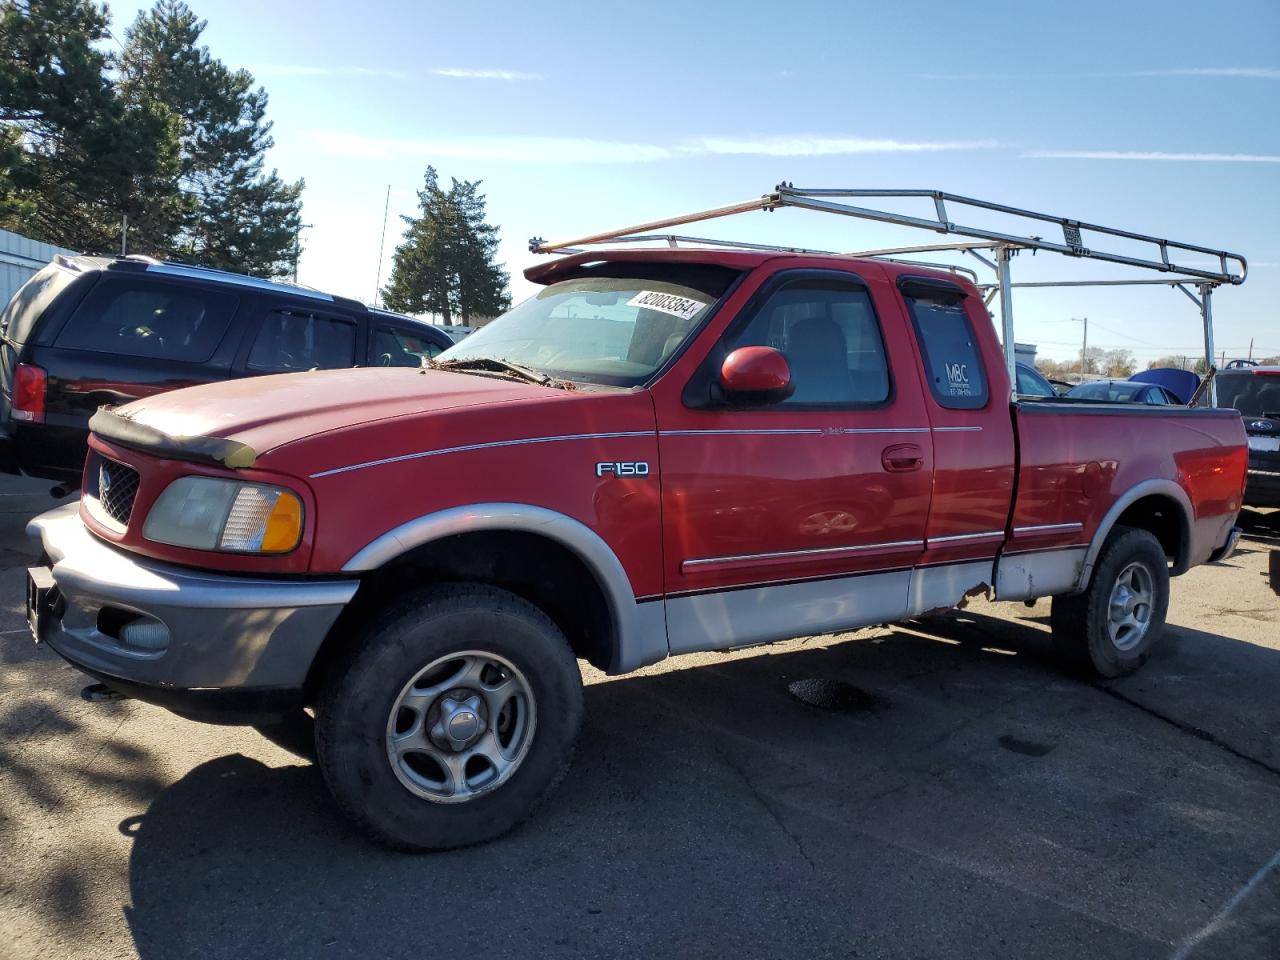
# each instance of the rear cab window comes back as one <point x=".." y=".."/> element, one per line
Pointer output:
<point x="149" y="319"/>
<point x="953" y="362"/>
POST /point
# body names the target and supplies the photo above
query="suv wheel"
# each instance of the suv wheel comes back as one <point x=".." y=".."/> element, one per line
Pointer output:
<point x="1109" y="629"/>
<point x="450" y="719"/>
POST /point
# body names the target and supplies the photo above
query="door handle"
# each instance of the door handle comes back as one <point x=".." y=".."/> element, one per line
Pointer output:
<point x="902" y="458"/>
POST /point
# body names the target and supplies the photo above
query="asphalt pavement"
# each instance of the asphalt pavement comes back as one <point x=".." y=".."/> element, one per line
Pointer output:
<point x="947" y="793"/>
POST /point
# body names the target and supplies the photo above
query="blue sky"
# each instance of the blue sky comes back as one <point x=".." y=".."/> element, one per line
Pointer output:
<point x="1158" y="117"/>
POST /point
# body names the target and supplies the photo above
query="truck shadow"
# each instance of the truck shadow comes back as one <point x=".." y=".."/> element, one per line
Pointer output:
<point x="975" y="802"/>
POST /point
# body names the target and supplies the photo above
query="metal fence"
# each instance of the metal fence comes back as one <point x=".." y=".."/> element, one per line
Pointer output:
<point x="20" y="257"/>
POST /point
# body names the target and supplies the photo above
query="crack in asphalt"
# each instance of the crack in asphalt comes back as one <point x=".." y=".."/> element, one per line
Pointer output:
<point x="1186" y="727"/>
<point x="768" y="807"/>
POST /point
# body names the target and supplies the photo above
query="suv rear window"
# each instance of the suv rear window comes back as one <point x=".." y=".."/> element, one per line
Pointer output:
<point x="159" y="320"/>
<point x="31" y="301"/>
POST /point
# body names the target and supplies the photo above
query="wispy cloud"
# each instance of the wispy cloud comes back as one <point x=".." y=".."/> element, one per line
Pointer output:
<point x="1256" y="73"/>
<point x="526" y="150"/>
<point x="1150" y="155"/>
<point x="304" y="70"/>
<point x="544" y="150"/>
<point x="1251" y="73"/>
<point x="801" y="146"/>
<point x="473" y="73"/>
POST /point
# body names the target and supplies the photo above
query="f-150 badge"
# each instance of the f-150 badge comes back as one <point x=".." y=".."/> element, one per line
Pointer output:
<point x="631" y="468"/>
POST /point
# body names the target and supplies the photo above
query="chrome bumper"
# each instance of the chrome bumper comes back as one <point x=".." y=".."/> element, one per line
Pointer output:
<point x="157" y="626"/>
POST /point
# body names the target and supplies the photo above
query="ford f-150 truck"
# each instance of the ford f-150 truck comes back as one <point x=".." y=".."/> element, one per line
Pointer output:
<point x="664" y="451"/>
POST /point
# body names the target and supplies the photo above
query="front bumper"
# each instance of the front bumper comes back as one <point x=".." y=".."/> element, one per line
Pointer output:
<point x="206" y="645"/>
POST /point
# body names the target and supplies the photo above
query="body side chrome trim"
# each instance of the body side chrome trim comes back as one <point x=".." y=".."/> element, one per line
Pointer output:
<point x="960" y="537"/>
<point x="1048" y="528"/>
<point x="957" y="429"/>
<point x="787" y="554"/>
<point x="467" y="448"/>
<point x="797" y="431"/>
<point x="638" y="635"/>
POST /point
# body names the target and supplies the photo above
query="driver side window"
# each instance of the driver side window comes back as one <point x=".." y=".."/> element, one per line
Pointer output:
<point x="828" y="332"/>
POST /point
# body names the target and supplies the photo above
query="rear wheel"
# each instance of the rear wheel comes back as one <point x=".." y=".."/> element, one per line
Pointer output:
<point x="1109" y="629"/>
<point x="450" y="719"/>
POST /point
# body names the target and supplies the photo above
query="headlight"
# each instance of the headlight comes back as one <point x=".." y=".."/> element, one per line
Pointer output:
<point x="208" y="514"/>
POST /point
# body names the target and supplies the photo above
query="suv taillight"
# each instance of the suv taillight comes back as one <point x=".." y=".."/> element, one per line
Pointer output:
<point x="29" y="382"/>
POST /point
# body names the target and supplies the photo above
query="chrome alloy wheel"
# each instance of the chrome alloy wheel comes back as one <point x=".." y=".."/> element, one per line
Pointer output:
<point x="460" y="727"/>
<point x="1130" y="607"/>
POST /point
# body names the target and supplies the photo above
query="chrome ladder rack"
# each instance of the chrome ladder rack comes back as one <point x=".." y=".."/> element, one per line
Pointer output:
<point x="1232" y="268"/>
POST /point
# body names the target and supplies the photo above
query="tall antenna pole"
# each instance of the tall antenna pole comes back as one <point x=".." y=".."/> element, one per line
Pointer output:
<point x="377" y="284"/>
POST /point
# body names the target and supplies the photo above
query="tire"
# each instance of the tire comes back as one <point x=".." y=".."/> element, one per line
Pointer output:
<point x="503" y="679"/>
<point x="1091" y="635"/>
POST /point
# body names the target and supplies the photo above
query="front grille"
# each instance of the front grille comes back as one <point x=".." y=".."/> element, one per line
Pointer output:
<point x="116" y="486"/>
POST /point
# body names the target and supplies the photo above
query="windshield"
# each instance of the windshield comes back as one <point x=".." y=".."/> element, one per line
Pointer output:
<point x="608" y="330"/>
<point x="1253" y="394"/>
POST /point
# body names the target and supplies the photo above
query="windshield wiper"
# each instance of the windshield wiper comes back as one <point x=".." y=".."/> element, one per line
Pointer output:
<point x="496" y="365"/>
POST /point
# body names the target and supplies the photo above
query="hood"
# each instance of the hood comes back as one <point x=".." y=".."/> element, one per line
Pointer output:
<point x="263" y="413"/>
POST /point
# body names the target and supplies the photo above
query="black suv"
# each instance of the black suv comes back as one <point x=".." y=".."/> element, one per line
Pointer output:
<point x="1255" y="392"/>
<point x="86" y="332"/>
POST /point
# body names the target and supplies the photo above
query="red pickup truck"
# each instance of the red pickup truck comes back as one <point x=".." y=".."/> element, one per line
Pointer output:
<point x="664" y="451"/>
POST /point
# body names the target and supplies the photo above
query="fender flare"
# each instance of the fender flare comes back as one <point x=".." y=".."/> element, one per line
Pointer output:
<point x="634" y="643"/>
<point x="1147" y="488"/>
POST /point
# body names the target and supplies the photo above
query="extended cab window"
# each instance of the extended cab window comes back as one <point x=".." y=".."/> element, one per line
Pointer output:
<point x="953" y="364"/>
<point x="397" y="347"/>
<point x="158" y="320"/>
<point x="828" y="332"/>
<point x="290" y="340"/>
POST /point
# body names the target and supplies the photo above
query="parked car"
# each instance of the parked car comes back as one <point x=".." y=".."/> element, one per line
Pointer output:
<point x="1182" y="384"/>
<point x="422" y="561"/>
<point x="89" y="331"/>
<point x="1255" y="392"/>
<point x="1032" y="383"/>
<point x="1124" y="391"/>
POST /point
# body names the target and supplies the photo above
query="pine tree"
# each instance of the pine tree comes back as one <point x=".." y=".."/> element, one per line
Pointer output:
<point x="447" y="263"/>
<point x="74" y="156"/>
<point x="235" y="216"/>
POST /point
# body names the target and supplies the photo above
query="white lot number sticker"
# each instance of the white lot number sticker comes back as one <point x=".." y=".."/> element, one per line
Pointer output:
<point x="681" y="307"/>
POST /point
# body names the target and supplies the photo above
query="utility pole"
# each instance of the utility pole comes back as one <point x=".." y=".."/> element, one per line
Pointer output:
<point x="124" y="235"/>
<point x="1251" y="349"/>
<point x="377" y="283"/>
<point x="1084" y="344"/>
<point x="297" y="247"/>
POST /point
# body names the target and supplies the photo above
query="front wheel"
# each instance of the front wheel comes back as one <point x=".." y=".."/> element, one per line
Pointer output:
<point x="1110" y="628"/>
<point x="450" y="719"/>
